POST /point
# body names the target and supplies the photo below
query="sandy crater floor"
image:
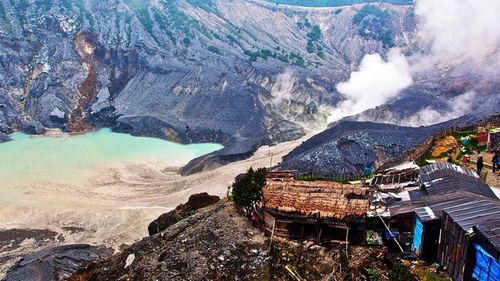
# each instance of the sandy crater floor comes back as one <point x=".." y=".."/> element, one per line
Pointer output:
<point x="117" y="205"/>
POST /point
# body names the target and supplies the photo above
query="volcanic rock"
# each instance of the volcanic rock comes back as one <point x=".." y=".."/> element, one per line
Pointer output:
<point x="55" y="263"/>
<point x="195" y="202"/>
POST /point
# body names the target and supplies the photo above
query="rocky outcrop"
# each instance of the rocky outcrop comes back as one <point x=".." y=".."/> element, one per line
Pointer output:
<point x="195" y="202"/>
<point x="216" y="244"/>
<point x="55" y="263"/>
<point x="17" y="243"/>
<point x="87" y="48"/>
<point x="4" y="137"/>
<point x="348" y="147"/>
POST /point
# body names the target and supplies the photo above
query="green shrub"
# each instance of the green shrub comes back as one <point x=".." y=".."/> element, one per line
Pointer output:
<point x="283" y="58"/>
<point x="399" y="272"/>
<point x="297" y="59"/>
<point x="377" y="24"/>
<point x="431" y="276"/>
<point x="315" y="34"/>
<point x="373" y="274"/>
<point x="310" y="47"/>
<point x="214" y="49"/>
<point x="307" y="23"/>
<point x="247" y="189"/>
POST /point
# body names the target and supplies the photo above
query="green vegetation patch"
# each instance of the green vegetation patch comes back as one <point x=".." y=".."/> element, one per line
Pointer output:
<point x="314" y="37"/>
<point x="246" y="191"/>
<point x="174" y="22"/>
<point x="399" y="271"/>
<point x="207" y="5"/>
<point x="214" y="49"/>
<point x="266" y="54"/>
<point x="297" y="59"/>
<point x="375" y="23"/>
<point x="315" y="33"/>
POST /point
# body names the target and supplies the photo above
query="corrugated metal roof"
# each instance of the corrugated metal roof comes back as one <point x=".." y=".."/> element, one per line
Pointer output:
<point x="481" y="212"/>
<point x="441" y="178"/>
<point x="404" y="207"/>
<point x="490" y="231"/>
<point x="425" y="214"/>
<point x="396" y="177"/>
<point x="468" y="210"/>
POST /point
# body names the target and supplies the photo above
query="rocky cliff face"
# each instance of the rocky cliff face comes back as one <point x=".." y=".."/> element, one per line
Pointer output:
<point x="242" y="72"/>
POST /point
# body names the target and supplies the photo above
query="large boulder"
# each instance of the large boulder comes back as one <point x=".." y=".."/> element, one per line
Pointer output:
<point x="4" y="137"/>
<point x="195" y="202"/>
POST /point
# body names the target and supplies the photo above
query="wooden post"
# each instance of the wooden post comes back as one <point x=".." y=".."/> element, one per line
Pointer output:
<point x="318" y="239"/>
<point x="347" y="243"/>
<point x="272" y="234"/>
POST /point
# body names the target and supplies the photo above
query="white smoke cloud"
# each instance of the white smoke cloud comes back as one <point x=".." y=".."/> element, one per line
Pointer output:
<point x="373" y="84"/>
<point x="283" y="88"/>
<point x="463" y="35"/>
<point x="460" y="106"/>
<point x="460" y="29"/>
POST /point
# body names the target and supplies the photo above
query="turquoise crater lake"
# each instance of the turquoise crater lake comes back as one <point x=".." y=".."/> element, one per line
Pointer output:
<point x="70" y="159"/>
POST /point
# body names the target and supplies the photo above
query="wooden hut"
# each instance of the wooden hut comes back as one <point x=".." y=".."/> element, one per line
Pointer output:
<point x="305" y="210"/>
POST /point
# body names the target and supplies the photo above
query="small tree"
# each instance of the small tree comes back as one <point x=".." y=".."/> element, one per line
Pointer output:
<point x="247" y="189"/>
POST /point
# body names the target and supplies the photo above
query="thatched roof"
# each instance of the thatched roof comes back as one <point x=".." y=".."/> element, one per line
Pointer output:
<point x="329" y="200"/>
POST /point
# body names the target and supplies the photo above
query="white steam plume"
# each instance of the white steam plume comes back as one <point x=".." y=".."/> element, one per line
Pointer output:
<point x="283" y="88"/>
<point x="373" y="84"/>
<point x="460" y="29"/>
<point x="460" y="34"/>
<point x="460" y="106"/>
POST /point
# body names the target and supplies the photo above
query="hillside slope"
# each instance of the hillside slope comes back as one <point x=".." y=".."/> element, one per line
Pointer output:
<point x="242" y="72"/>
<point x="350" y="148"/>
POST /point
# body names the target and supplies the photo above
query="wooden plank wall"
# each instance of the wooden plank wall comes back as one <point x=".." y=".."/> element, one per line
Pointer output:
<point x="452" y="252"/>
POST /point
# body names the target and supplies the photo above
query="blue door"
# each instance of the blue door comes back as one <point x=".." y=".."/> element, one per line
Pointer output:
<point x="486" y="268"/>
<point x="418" y="233"/>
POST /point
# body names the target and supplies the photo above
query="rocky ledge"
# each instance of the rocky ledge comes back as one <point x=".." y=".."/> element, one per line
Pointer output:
<point x="211" y="245"/>
<point x="195" y="202"/>
<point x="55" y="263"/>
